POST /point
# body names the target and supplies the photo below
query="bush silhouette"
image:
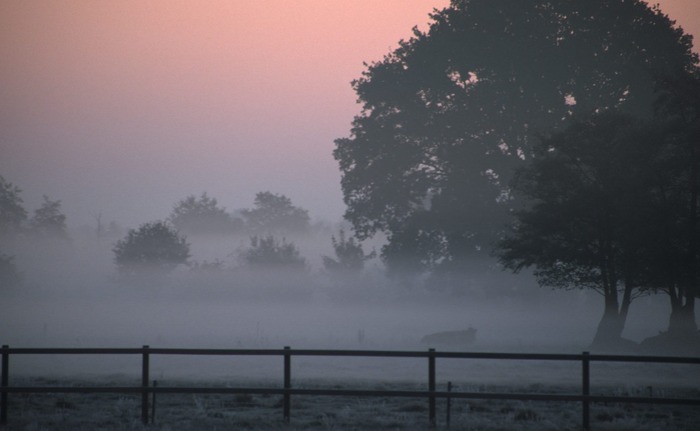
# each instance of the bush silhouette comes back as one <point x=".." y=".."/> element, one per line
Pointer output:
<point x="154" y="246"/>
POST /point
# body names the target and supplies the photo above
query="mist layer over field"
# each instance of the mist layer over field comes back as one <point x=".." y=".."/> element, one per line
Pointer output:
<point x="73" y="297"/>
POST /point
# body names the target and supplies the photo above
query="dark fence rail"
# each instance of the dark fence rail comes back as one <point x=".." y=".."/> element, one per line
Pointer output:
<point x="431" y="394"/>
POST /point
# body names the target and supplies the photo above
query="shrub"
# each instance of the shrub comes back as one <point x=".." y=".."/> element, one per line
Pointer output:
<point x="153" y="246"/>
<point x="269" y="252"/>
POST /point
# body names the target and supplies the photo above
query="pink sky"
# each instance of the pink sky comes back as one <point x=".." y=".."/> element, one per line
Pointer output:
<point x="124" y="107"/>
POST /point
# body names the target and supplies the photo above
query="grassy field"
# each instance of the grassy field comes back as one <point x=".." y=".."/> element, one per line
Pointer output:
<point x="38" y="412"/>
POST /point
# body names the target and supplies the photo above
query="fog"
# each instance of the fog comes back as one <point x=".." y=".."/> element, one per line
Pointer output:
<point x="72" y="296"/>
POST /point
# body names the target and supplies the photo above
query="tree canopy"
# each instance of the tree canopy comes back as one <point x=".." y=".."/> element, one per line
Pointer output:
<point x="677" y="246"/>
<point x="589" y="223"/>
<point x="268" y="252"/>
<point x="613" y="206"/>
<point x="449" y="115"/>
<point x="203" y="216"/>
<point x="48" y="220"/>
<point x="275" y="213"/>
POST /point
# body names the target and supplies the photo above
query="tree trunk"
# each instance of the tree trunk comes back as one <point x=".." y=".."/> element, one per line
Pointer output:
<point x="682" y="337"/>
<point x="682" y="320"/>
<point x="609" y="332"/>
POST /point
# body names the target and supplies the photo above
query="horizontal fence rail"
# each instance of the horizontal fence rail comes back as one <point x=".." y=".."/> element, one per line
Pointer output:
<point x="431" y="394"/>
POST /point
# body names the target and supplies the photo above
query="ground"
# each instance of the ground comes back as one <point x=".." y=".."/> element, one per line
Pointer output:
<point x="185" y="412"/>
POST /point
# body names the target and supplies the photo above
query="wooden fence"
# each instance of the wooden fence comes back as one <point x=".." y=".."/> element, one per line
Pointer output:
<point x="286" y="390"/>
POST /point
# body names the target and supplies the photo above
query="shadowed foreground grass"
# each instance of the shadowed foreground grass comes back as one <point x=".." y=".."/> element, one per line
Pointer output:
<point x="38" y="412"/>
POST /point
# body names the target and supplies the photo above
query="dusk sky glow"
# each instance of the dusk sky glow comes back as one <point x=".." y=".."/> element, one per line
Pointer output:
<point x="124" y="107"/>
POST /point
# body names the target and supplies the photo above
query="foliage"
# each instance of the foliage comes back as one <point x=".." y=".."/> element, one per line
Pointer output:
<point x="202" y="215"/>
<point x="9" y="275"/>
<point x="349" y="256"/>
<point x="275" y="213"/>
<point x="12" y="213"/>
<point x="677" y="249"/>
<point x="449" y="115"/>
<point x="153" y="246"/>
<point x="269" y="252"/>
<point x="582" y="205"/>
<point x="591" y="224"/>
<point x="48" y="220"/>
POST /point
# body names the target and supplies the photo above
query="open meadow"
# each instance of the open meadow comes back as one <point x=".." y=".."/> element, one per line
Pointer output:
<point x="264" y="412"/>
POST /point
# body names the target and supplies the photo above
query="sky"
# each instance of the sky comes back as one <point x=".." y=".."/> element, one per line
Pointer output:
<point x="122" y="108"/>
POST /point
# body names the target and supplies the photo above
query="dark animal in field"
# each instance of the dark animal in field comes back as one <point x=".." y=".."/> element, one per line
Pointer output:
<point x="451" y="338"/>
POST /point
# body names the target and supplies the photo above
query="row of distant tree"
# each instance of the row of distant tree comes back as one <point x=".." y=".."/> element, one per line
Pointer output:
<point x="162" y="245"/>
<point x="202" y="215"/>
<point x="47" y="221"/>
<point x="271" y="213"/>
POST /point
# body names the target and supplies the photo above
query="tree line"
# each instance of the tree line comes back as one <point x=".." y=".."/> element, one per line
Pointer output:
<point x="161" y="246"/>
<point x="47" y="222"/>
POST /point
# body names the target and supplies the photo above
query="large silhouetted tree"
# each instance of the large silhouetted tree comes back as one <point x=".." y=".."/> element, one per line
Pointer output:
<point x="203" y="216"/>
<point x="449" y="115"/>
<point x="154" y="246"/>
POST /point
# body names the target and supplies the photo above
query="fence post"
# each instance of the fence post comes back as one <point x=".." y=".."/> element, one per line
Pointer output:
<point x="586" y="389"/>
<point x="287" y="383"/>
<point x="431" y="387"/>
<point x="449" y="405"/>
<point x="153" y="402"/>
<point x="144" y="385"/>
<point x="4" y="382"/>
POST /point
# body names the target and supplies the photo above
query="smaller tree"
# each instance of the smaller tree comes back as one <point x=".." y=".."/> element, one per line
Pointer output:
<point x="349" y="256"/>
<point x="275" y="213"/>
<point x="678" y="111"/>
<point x="153" y="246"/>
<point x="48" y="221"/>
<point x="270" y="253"/>
<point x="9" y="275"/>
<point x="12" y="213"/>
<point x="203" y="216"/>
<point x="584" y="222"/>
